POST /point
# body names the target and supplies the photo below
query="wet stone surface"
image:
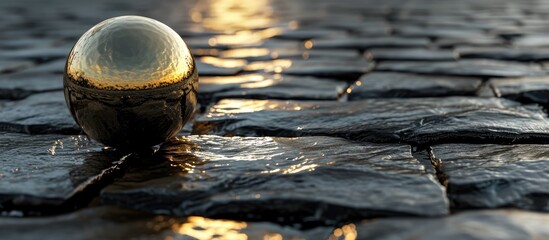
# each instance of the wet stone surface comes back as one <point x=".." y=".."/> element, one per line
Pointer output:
<point x="48" y="170"/>
<point x="118" y="223"/>
<point x="18" y="86"/>
<point x="485" y="224"/>
<point x="411" y="54"/>
<point x="394" y="85"/>
<point x="257" y="86"/>
<point x="490" y="176"/>
<point x="393" y="79"/>
<point x="415" y="120"/>
<point x="325" y="68"/>
<point x="503" y="53"/>
<point x="38" y="114"/>
<point x="289" y="180"/>
<point x="369" y="42"/>
<point x="526" y="90"/>
<point x="211" y="66"/>
<point x="265" y="54"/>
<point x="476" y="68"/>
<point x="13" y="65"/>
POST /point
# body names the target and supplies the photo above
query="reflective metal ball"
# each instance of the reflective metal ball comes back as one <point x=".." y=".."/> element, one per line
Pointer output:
<point x="130" y="82"/>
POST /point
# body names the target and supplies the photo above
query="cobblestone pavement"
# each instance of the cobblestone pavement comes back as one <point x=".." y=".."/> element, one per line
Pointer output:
<point x="374" y="119"/>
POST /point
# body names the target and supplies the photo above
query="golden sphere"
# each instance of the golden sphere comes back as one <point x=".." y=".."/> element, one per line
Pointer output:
<point x="130" y="82"/>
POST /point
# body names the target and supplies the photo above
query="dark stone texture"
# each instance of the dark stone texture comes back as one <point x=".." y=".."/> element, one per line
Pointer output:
<point x="438" y="32"/>
<point x="256" y="86"/>
<point x="410" y="54"/>
<point x="474" y="42"/>
<point x="503" y="53"/>
<point x="14" y="65"/>
<point x="38" y="114"/>
<point x="264" y="54"/>
<point x="475" y="68"/>
<point x="386" y="84"/>
<point x="51" y="67"/>
<point x="309" y="33"/>
<point x="42" y="172"/>
<point x="525" y="90"/>
<point x="371" y="42"/>
<point x="535" y="40"/>
<point x="108" y="222"/>
<point x="301" y="180"/>
<point x="212" y="66"/>
<point x="45" y="53"/>
<point x="18" y="86"/>
<point x="326" y="68"/>
<point x="415" y="120"/>
<point x="486" y="224"/>
<point x="490" y="176"/>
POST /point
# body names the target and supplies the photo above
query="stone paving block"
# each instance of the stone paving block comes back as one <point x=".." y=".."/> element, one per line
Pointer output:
<point x="38" y="114"/>
<point x="14" y="65"/>
<point x="414" y="120"/>
<point x="256" y="86"/>
<point x="514" y="32"/>
<point x="41" y="172"/>
<point x="504" y="53"/>
<point x="474" y="68"/>
<point x="301" y="180"/>
<point x="212" y="66"/>
<point x="394" y="85"/>
<point x="265" y="54"/>
<point x="309" y="33"/>
<point x="370" y="42"/>
<point x="18" y="86"/>
<point x="108" y="222"/>
<point x="204" y="42"/>
<point x="325" y="68"/>
<point x="534" y="40"/>
<point x="44" y="53"/>
<point x="526" y="90"/>
<point x="459" y="41"/>
<point x="411" y="54"/>
<point x="371" y="27"/>
<point x="490" y="176"/>
<point x="485" y="224"/>
<point x="438" y="32"/>
<point x="51" y="67"/>
<point x="26" y="43"/>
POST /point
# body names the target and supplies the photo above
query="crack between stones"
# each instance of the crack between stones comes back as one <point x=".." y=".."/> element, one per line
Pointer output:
<point x="439" y="167"/>
<point x="79" y="198"/>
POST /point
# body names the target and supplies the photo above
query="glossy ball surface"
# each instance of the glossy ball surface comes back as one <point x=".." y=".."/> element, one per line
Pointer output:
<point x="130" y="82"/>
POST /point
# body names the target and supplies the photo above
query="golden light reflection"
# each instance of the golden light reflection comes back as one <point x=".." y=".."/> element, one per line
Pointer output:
<point x="300" y="168"/>
<point x="224" y="63"/>
<point x="238" y="106"/>
<point x="229" y="106"/>
<point x="233" y="15"/>
<point x="262" y="84"/>
<point x="245" y="52"/>
<point x="308" y="44"/>
<point x="293" y="24"/>
<point x="346" y="232"/>
<point x="244" y="37"/>
<point x="272" y="236"/>
<point x="204" y="228"/>
<point x="270" y="66"/>
<point x="240" y="79"/>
